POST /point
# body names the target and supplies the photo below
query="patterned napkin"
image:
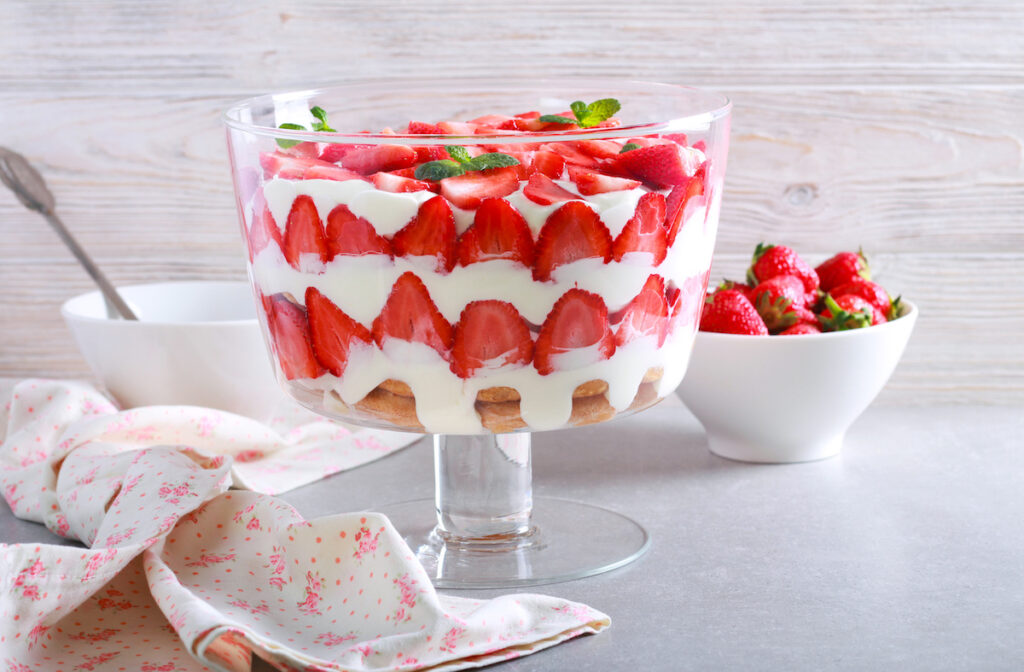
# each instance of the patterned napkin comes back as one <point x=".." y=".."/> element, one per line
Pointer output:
<point x="183" y="574"/>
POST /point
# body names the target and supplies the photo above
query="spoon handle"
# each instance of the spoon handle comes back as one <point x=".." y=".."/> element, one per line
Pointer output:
<point x="109" y="293"/>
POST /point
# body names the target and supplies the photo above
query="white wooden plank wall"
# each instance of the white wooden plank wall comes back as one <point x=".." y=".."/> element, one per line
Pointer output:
<point x="896" y="126"/>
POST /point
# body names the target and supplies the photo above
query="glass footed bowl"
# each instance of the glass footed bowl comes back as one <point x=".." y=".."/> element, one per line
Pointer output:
<point x="437" y="256"/>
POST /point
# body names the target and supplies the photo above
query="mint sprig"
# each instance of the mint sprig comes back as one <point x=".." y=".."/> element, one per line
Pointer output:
<point x="629" y="147"/>
<point x="586" y="115"/>
<point x="319" y="124"/>
<point x="461" y="162"/>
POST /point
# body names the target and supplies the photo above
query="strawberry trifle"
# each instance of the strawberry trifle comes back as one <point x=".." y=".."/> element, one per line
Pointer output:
<point x="524" y="271"/>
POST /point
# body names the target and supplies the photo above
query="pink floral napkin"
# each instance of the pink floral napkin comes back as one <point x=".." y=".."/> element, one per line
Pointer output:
<point x="184" y="574"/>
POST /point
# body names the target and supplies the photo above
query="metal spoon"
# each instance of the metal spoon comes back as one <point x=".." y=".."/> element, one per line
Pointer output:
<point x="28" y="185"/>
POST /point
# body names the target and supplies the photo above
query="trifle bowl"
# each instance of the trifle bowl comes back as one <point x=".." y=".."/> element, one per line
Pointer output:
<point x="480" y="260"/>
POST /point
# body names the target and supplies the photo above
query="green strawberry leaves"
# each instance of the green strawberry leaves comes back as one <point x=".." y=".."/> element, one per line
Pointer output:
<point x="461" y="162"/>
<point x="586" y="115"/>
<point x="320" y="125"/>
<point x="629" y="147"/>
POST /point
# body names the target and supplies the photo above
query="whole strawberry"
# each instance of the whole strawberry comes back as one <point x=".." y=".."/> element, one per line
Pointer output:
<point x="772" y="260"/>
<point x="847" y="312"/>
<point x="872" y="292"/>
<point x="801" y="329"/>
<point x="728" y="311"/>
<point x="842" y="268"/>
<point x="776" y="300"/>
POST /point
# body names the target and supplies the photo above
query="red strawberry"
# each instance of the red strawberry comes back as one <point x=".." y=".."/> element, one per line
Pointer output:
<point x="772" y="260"/>
<point x="646" y="315"/>
<point x="579" y="319"/>
<point x="289" y="332"/>
<point x="276" y="164"/>
<point x="490" y="334"/>
<point x="589" y="182"/>
<point x="644" y="231"/>
<point x="532" y="114"/>
<point x="467" y="191"/>
<point x="349" y="235"/>
<point x="776" y="300"/>
<point x="842" y="268"/>
<point x="520" y="124"/>
<point x="571" y="154"/>
<point x="686" y="301"/>
<point x="262" y="231"/>
<point x="678" y="138"/>
<point x="425" y="153"/>
<point x="420" y="128"/>
<point x="332" y="331"/>
<point x="410" y="315"/>
<point x="332" y="153"/>
<point x="379" y="157"/>
<point x="872" y="292"/>
<point x="848" y="312"/>
<point x="572" y="232"/>
<point x="498" y="232"/>
<point x="398" y="184"/>
<point x="457" y="128"/>
<point x="543" y="190"/>
<point x="676" y="204"/>
<point x="548" y="163"/>
<point x="600" y="149"/>
<point x="730" y="312"/>
<point x="330" y="172"/>
<point x="732" y="284"/>
<point x="660" y="166"/>
<point x="431" y="232"/>
<point x="800" y="328"/>
<point x="491" y="121"/>
<point x="304" y="233"/>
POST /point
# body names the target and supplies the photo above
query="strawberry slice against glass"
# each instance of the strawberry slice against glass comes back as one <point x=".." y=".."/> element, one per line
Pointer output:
<point x="542" y="190"/>
<point x="490" y="334"/>
<point x="468" y="190"/>
<point x="349" y="235"/>
<point x="379" y="157"/>
<point x="332" y="332"/>
<point x="590" y="182"/>
<point x="289" y="332"/>
<point x="644" y="232"/>
<point x="430" y="233"/>
<point x="675" y="205"/>
<point x="661" y="166"/>
<point x="646" y="315"/>
<point x="411" y="315"/>
<point x="577" y="322"/>
<point x="304" y="234"/>
<point x="262" y="231"/>
<point x="498" y="232"/>
<point x="572" y="232"/>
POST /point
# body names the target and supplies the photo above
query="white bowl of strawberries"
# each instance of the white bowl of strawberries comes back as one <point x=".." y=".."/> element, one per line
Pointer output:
<point x="763" y="398"/>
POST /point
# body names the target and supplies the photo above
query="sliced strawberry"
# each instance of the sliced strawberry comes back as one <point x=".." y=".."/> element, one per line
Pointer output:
<point x="410" y="315"/>
<point x="276" y="164"/>
<point x="648" y="141"/>
<point x="572" y="232"/>
<point x="467" y="191"/>
<point x="490" y="334"/>
<point x="430" y="233"/>
<point x="289" y="332"/>
<point x="397" y="184"/>
<point x="304" y="233"/>
<point x="645" y="231"/>
<point x="420" y="128"/>
<point x="332" y="332"/>
<point x="589" y="182"/>
<point x="427" y="153"/>
<point x="493" y="121"/>
<point x="330" y="172"/>
<point x="571" y="154"/>
<point x="600" y="149"/>
<point x="548" y="163"/>
<point x="379" y="157"/>
<point x="542" y="190"/>
<point x="498" y="232"/>
<point x="306" y="150"/>
<point x="520" y="124"/>
<point x="262" y="231"/>
<point x="676" y="204"/>
<point x="578" y="320"/>
<point x="457" y="128"/>
<point x="333" y="152"/>
<point x="661" y="166"/>
<point x="685" y="302"/>
<point x="348" y="235"/>
<point x="646" y="315"/>
<point x="532" y="114"/>
<point x="678" y="138"/>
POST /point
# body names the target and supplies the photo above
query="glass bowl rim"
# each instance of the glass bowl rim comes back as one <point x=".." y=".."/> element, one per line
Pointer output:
<point x="678" y="124"/>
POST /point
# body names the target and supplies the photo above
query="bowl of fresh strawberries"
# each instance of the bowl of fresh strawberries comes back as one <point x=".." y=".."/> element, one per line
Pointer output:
<point x="764" y="398"/>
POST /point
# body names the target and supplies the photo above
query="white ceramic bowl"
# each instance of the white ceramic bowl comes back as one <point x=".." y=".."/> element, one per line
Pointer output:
<point x="196" y="343"/>
<point x="789" y="398"/>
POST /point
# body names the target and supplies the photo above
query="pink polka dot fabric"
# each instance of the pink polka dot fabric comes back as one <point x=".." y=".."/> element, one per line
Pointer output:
<point x="184" y="574"/>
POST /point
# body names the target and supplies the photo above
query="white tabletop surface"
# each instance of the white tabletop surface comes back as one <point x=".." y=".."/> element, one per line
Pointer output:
<point x="906" y="551"/>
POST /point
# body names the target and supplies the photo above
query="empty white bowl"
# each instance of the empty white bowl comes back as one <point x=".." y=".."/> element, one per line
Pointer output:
<point x="789" y="398"/>
<point x="196" y="343"/>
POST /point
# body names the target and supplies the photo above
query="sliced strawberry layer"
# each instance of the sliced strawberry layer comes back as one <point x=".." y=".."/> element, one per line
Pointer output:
<point x="276" y="164"/>
<point x="646" y="315"/>
<point x="331" y="172"/>
<point x="304" y="233"/>
<point x="333" y="153"/>
<point x="430" y="233"/>
<point x="572" y="232"/>
<point x="457" y="128"/>
<point x="306" y="150"/>
<point x="660" y="166"/>
<point x="571" y="154"/>
<point x="498" y="232"/>
<point x="686" y="302"/>
<point x="467" y="191"/>
<point x="420" y="128"/>
<point x="410" y="315"/>
<point x="547" y="163"/>
<point x="332" y="332"/>
<point x="289" y="332"/>
<point x="348" y="235"/>
<point x="579" y="319"/>
<point x="600" y="149"/>
<point x="676" y="204"/>
<point x="398" y="184"/>
<point x="379" y="157"/>
<point x="430" y="153"/>
<point x="590" y="182"/>
<point x="262" y="231"/>
<point x="542" y="190"/>
<point x="490" y="334"/>
<point x="645" y="231"/>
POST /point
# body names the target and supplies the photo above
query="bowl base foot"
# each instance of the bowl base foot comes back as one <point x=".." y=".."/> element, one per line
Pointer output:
<point x="746" y="451"/>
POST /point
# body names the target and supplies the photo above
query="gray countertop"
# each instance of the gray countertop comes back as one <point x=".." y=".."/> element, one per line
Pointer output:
<point x="906" y="551"/>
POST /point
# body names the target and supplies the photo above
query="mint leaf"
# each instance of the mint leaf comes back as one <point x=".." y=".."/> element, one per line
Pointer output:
<point x="319" y="113"/>
<point x="579" y="108"/>
<point x="629" y="147"/>
<point x="322" y="124"/>
<point x="599" y="110"/>
<point x="458" y="153"/>
<point x="492" y="160"/>
<point x="555" y="119"/>
<point x="287" y="144"/>
<point x="439" y="170"/>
